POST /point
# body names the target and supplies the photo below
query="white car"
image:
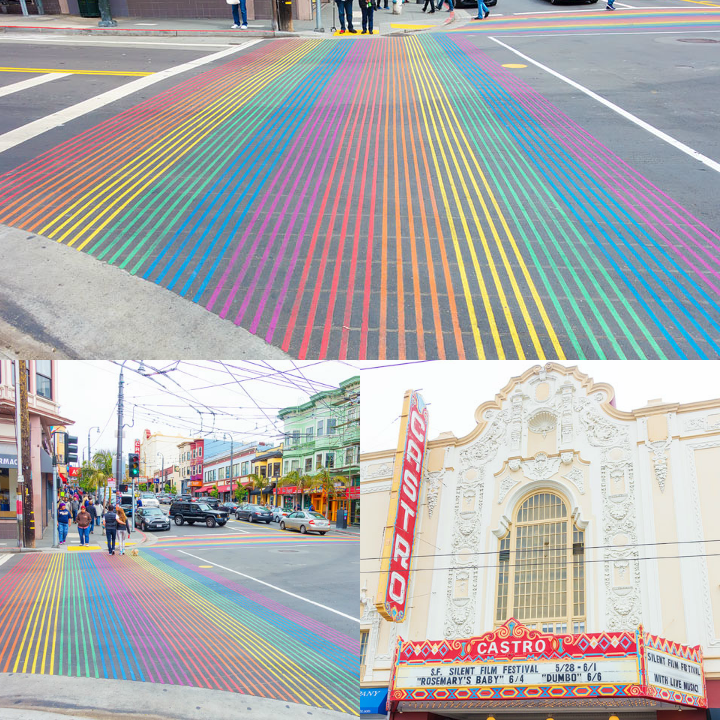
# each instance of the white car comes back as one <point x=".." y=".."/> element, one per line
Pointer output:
<point x="305" y="521"/>
<point x="149" y="500"/>
<point x="279" y="513"/>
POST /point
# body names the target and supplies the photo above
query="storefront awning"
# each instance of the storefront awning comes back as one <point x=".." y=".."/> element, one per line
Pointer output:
<point x="206" y="488"/>
<point x="516" y="667"/>
<point x="223" y="488"/>
<point x="8" y="455"/>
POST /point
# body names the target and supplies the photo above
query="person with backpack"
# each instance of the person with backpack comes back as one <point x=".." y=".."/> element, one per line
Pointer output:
<point x="83" y="522"/>
<point x="123" y="528"/>
<point x="98" y="511"/>
<point x="110" y="525"/>
<point x="367" y="8"/>
<point x="63" y="518"/>
<point x="91" y="511"/>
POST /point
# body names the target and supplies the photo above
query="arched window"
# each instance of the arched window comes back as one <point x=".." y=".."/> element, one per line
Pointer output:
<point x="541" y="574"/>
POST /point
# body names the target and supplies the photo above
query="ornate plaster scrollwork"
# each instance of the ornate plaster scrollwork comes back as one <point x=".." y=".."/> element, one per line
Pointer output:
<point x="373" y="472"/>
<point x="703" y="424"/>
<point x="541" y="467"/>
<point x="460" y="611"/>
<point x="516" y="420"/>
<point x="566" y="413"/>
<point x="659" y="459"/>
<point x="375" y="487"/>
<point x="372" y="617"/>
<point x="566" y="458"/>
<point x="600" y="431"/>
<point x="514" y="464"/>
<point x="433" y="480"/>
<point x="577" y="478"/>
<point x="506" y="484"/>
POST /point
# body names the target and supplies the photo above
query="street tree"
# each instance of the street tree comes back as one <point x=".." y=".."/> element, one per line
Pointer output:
<point x="240" y="492"/>
<point x="258" y="481"/>
<point x="331" y="486"/>
<point x="294" y="478"/>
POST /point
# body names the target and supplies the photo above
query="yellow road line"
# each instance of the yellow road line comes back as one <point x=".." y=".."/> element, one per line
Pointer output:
<point x="42" y="71"/>
<point x="400" y="26"/>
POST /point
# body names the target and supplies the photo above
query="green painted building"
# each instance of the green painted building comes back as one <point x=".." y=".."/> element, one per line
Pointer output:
<point x="325" y="432"/>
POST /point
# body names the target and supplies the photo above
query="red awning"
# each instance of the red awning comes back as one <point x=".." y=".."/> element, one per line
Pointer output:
<point x="223" y="488"/>
<point x="288" y="490"/>
<point x="206" y="488"/>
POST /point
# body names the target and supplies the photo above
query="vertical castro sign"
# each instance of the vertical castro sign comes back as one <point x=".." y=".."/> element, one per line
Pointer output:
<point x="402" y="515"/>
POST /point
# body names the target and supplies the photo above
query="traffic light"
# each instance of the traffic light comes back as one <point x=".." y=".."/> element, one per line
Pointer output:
<point x="133" y="465"/>
<point x="71" y="449"/>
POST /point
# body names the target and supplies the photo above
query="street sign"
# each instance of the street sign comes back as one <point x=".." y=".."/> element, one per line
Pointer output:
<point x="74" y="471"/>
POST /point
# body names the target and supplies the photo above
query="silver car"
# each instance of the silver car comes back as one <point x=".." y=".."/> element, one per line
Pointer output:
<point x="305" y="521"/>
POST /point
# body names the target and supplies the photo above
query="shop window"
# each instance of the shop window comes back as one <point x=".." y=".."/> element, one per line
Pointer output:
<point x="43" y="378"/>
<point x="541" y="571"/>
<point x="330" y="426"/>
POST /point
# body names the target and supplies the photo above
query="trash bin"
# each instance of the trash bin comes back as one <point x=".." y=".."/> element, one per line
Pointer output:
<point x="89" y="8"/>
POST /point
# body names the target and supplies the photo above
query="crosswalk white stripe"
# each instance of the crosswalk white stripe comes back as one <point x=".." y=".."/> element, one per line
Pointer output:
<point x="31" y="82"/>
<point x="32" y="129"/>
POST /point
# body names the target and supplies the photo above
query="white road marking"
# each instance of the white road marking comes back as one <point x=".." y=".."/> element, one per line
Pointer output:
<point x="604" y="33"/>
<point x="274" y="587"/>
<point x="31" y="82"/>
<point x="32" y="129"/>
<point x="66" y="39"/>
<point x="236" y="530"/>
<point x="600" y="9"/>
<point x="620" y="111"/>
<point x="4" y="557"/>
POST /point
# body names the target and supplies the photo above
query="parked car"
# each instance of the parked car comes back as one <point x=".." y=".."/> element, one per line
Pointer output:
<point x="192" y="512"/>
<point x="254" y="513"/>
<point x="305" y="521"/>
<point x="230" y="507"/>
<point x="151" y="518"/>
<point x="126" y="503"/>
<point x="278" y="513"/>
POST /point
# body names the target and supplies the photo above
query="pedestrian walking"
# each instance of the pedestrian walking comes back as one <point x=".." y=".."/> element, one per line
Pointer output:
<point x="83" y="522"/>
<point x="63" y="516"/>
<point x="430" y="4"/>
<point x="98" y="511"/>
<point x="75" y="506"/>
<point x="610" y="5"/>
<point x="440" y="4"/>
<point x="123" y="528"/>
<point x="93" y="514"/>
<point x="483" y="10"/>
<point x="234" y="4"/>
<point x="110" y="525"/>
<point x="345" y="11"/>
<point x="367" y="8"/>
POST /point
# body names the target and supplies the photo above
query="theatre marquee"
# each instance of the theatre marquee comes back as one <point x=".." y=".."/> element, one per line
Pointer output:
<point x="515" y="665"/>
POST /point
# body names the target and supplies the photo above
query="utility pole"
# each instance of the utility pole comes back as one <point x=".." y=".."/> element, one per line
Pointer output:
<point x="26" y="468"/>
<point x="162" y="474"/>
<point x="318" y="16"/>
<point x="18" y="439"/>
<point x="119" y="460"/>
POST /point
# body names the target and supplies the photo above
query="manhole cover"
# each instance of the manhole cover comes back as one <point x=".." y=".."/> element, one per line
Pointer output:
<point x="288" y="551"/>
<point x="698" y="40"/>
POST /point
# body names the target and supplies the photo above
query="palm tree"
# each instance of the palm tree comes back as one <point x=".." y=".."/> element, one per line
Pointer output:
<point x="258" y="481"/>
<point x="101" y="468"/>
<point x="328" y="482"/>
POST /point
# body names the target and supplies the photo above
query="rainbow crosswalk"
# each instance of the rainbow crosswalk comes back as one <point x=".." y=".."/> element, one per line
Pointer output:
<point x="156" y="618"/>
<point x="400" y="198"/>
<point x="251" y="538"/>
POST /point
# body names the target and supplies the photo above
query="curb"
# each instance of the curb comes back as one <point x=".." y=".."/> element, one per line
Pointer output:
<point x="10" y="29"/>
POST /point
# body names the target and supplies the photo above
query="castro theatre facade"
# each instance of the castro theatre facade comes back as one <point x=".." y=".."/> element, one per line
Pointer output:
<point x="554" y="563"/>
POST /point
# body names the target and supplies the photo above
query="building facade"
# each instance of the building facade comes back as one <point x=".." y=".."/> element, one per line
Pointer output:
<point x="217" y="472"/>
<point x="325" y="433"/>
<point x="559" y="515"/>
<point x="44" y="411"/>
<point x="157" y="449"/>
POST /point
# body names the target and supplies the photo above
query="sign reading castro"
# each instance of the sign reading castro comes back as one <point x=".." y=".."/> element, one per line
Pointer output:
<point x="517" y="663"/>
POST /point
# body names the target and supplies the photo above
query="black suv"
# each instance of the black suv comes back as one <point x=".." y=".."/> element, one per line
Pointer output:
<point x="192" y="512"/>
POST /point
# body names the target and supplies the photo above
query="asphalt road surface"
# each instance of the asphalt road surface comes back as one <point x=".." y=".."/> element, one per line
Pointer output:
<point x="244" y="609"/>
<point x="539" y="184"/>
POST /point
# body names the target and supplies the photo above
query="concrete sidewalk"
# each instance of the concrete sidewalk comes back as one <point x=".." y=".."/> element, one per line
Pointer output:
<point x="410" y="19"/>
<point x="46" y="697"/>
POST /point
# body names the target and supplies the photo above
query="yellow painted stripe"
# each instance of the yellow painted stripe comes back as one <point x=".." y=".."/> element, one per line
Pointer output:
<point x="468" y="152"/>
<point x="42" y="71"/>
<point x="401" y="26"/>
<point x="83" y="547"/>
<point x="182" y="140"/>
<point x="265" y="653"/>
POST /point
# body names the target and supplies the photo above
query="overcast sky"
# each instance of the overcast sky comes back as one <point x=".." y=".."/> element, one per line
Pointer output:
<point x="454" y="389"/>
<point x="88" y="391"/>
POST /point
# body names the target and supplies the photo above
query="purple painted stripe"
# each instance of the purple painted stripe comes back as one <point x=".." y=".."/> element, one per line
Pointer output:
<point x="613" y="173"/>
<point x="316" y="126"/>
<point x="320" y="629"/>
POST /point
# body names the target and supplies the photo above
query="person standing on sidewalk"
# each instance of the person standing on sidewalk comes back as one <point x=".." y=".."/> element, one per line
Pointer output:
<point x="123" y="528"/>
<point x="63" y="516"/>
<point x="83" y="522"/>
<point x="367" y="8"/>
<point x="98" y="511"/>
<point x="110" y="525"/>
<point x="75" y="506"/>
<point x="236" y="18"/>
<point x="345" y="11"/>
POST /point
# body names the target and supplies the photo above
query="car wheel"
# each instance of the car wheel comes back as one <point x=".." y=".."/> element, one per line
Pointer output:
<point x="282" y="525"/>
<point x="250" y="519"/>
<point x="303" y="529"/>
<point x="210" y="522"/>
<point x="179" y="520"/>
<point x="322" y="533"/>
<point x="237" y="516"/>
<point x="144" y="527"/>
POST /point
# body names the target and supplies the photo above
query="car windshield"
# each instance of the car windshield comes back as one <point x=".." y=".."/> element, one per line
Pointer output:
<point x="153" y="511"/>
<point x="204" y="506"/>
<point x="317" y="515"/>
<point x="147" y="496"/>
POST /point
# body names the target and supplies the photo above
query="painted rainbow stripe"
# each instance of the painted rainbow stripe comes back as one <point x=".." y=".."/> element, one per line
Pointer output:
<point x="61" y="614"/>
<point x="340" y="200"/>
